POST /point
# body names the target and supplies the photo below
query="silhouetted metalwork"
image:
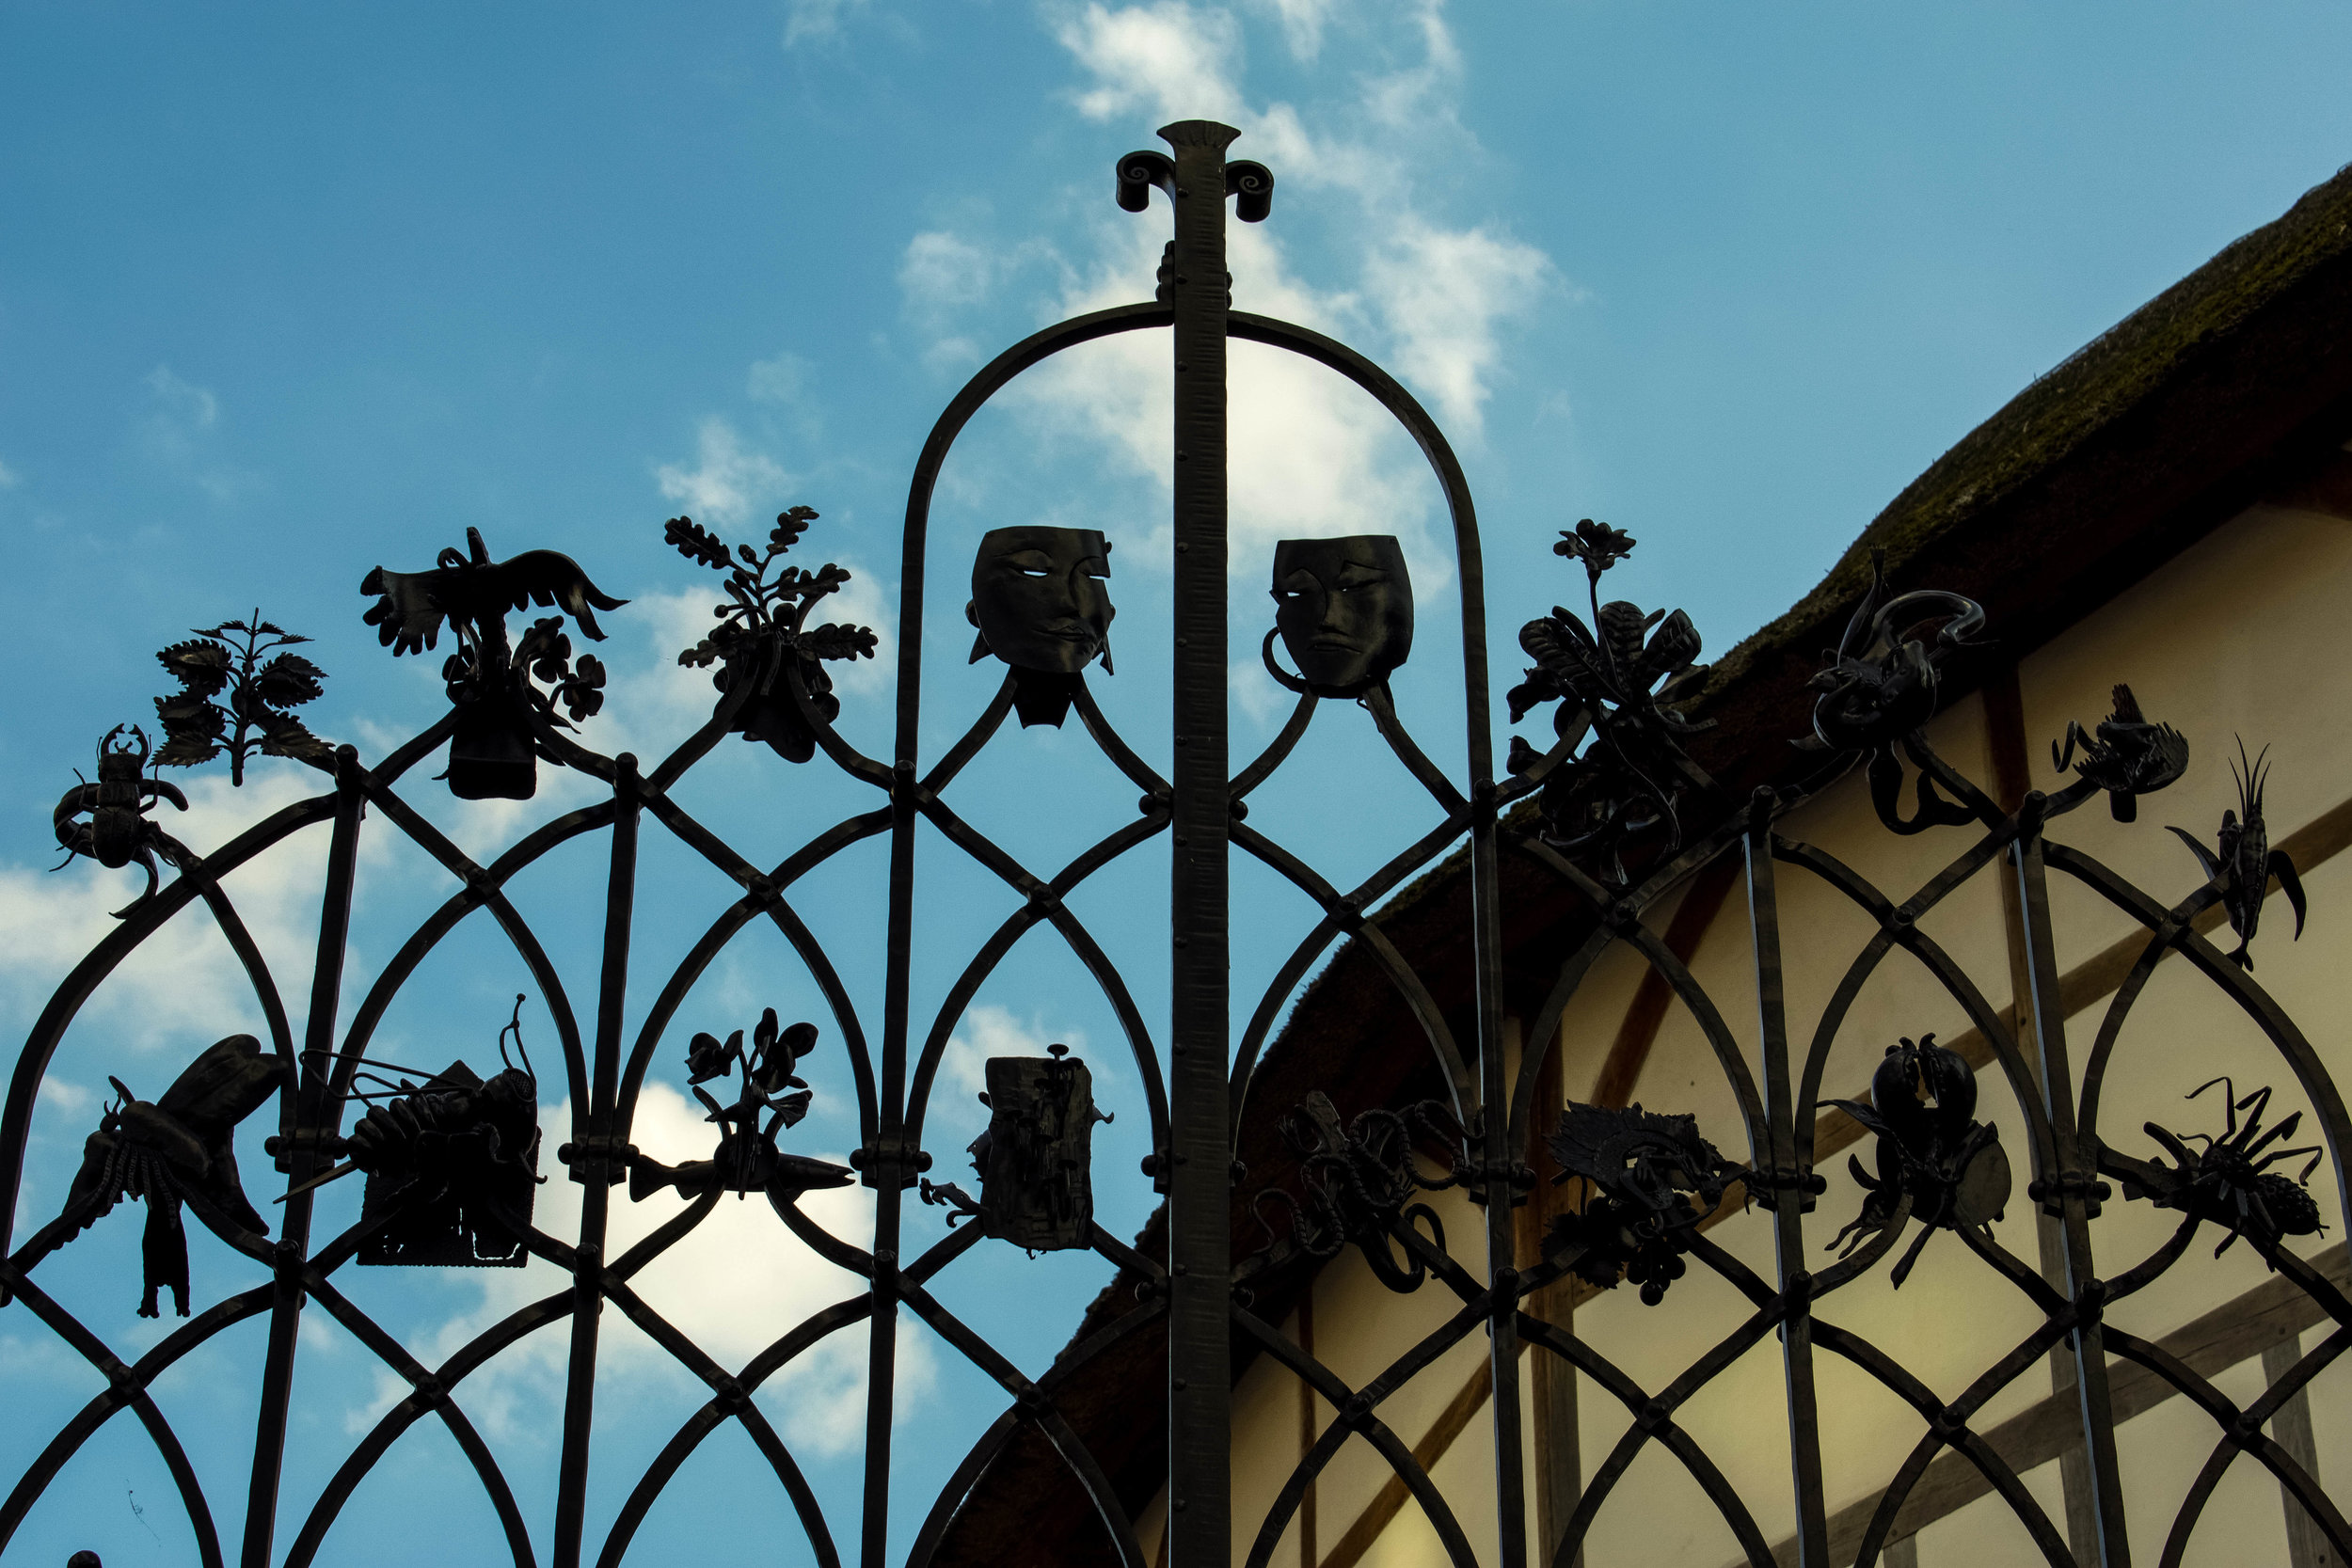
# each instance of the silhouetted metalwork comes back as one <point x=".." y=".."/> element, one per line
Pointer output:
<point x="1615" y="810"/>
<point x="1343" y="607"/>
<point x="2228" y="1182"/>
<point x="119" y="830"/>
<point x="1036" y="1158"/>
<point x="176" y="1150"/>
<point x="764" y="628"/>
<point x="2127" y="755"/>
<point x="1936" y="1162"/>
<point x="1648" y="1182"/>
<point x="501" y="711"/>
<point x="2242" y="863"/>
<point x="238" y="689"/>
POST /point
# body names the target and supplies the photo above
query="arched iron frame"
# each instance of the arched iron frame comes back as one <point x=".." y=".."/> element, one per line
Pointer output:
<point x="1195" y="1108"/>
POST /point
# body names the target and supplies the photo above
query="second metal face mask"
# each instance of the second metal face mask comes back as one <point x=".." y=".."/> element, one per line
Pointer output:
<point x="1042" y="605"/>
<point x="1345" y="610"/>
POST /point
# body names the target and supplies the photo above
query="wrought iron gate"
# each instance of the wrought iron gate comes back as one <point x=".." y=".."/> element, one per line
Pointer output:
<point x="449" y="1160"/>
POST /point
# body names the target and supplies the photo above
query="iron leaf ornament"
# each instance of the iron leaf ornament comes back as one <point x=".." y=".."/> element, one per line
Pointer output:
<point x="2242" y="862"/>
<point x="497" y="685"/>
<point x="1930" y="1149"/>
<point x="763" y="630"/>
<point x="178" y="1148"/>
<point x="2126" y="755"/>
<point x="1649" y="1180"/>
<point x="1619" y="683"/>
<point x="2228" y="1182"/>
<point x="119" y="830"/>
<point x="768" y="1098"/>
<point x="238" y="690"/>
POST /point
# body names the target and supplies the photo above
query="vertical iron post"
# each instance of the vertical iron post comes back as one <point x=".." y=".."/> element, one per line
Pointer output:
<point x="1787" y="1191"/>
<point x="1200" y="1364"/>
<point x="313" y="1116"/>
<point x="2072" y="1191"/>
<point x="598" y="1173"/>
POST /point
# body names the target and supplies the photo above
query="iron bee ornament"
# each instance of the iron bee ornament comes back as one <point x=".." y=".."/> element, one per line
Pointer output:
<point x="2126" y="755"/>
<point x="1930" y="1149"/>
<point x="768" y="1098"/>
<point x="2242" y="862"/>
<point x="452" y="1163"/>
<point x="496" y="686"/>
<point x="118" y="830"/>
<point x="2228" y="1182"/>
<point x="1651" y="1179"/>
<point x="177" y="1149"/>
<point x="1034" y="1159"/>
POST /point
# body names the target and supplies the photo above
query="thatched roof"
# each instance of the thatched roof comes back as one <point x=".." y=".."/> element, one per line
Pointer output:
<point x="2233" y="383"/>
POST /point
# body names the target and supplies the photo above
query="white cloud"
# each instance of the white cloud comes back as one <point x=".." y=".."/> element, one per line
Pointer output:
<point x="9" y="478"/>
<point x="786" y="379"/>
<point x="1302" y="23"/>
<point x="943" y="270"/>
<point x="1176" y="60"/>
<point x="732" y="482"/>
<point x="986" y="1030"/>
<point x="1442" y="291"/>
<point x="179" y="433"/>
<point x="816" y="19"/>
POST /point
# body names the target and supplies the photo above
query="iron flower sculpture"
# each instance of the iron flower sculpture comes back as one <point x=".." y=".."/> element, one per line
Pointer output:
<point x="1881" y="686"/>
<point x="763" y="631"/>
<point x="177" y="1149"/>
<point x="238" y="690"/>
<point x="1357" y="1183"/>
<point x="120" y="831"/>
<point x="2228" y="1182"/>
<point x="768" y="1098"/>
<point x="1619" y="683"/>
<point x="1649" y="1180"/>
<point x="496" y="686"/>
<point x="2242" y="862"/>
<point x="1930" y="1150"/>
<point x="2126" y="755"/>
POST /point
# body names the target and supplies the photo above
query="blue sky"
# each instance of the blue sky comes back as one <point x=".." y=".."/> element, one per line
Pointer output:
<point x="289" y="291"/>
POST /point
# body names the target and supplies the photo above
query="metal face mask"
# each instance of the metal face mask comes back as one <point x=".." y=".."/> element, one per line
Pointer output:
<point x="1039" y="597"/>
<point x="1345" y="610"/>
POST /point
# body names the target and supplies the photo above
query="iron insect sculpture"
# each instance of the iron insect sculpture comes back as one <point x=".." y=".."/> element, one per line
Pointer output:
<point x="2242" y="862"/>
<point x="1620" y="683"/>
<point x="238" y="690"/>
<point x="1357" y="1183"/>
<point x="763" y="632"/>
<point x="1880" y="684"/>
<point x="120" y="831"/>
<point x="1034" y="1159"/>
<point x="1651" y="1179"/>
<point x="452" y="1163"/>
<point x="768" y="1099"/>
<point x="1932" y="1150"/>
<point x="500" y="708"/>
<point x="2228" y="1182"/>
<point x="181" y="1148"/>
<point x="2127" y="755"/>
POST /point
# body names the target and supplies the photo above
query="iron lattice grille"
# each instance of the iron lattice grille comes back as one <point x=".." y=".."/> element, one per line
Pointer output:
<point x="1617" y="786"/>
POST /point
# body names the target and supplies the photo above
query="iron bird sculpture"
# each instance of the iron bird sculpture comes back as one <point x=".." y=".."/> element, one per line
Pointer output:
<point x="492" y="753"/>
